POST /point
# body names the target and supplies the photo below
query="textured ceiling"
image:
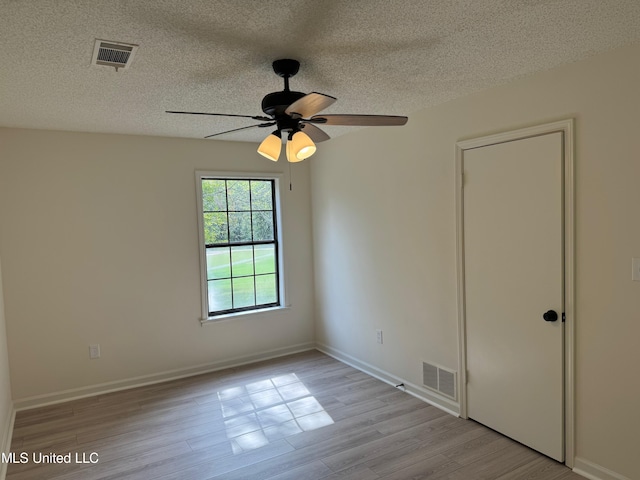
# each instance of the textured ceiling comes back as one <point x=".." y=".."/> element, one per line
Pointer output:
<point x="375" y="56"/>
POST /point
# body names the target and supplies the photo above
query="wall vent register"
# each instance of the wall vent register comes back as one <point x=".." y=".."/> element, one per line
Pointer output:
<point x="439" y="380"/>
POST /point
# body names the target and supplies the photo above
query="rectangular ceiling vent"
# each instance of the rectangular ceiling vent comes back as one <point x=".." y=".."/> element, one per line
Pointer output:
<point x="113" y="54"/>
<point x="439" y="379"/>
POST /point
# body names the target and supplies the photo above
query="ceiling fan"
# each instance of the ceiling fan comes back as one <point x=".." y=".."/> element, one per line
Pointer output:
<point x="294" y="116"/>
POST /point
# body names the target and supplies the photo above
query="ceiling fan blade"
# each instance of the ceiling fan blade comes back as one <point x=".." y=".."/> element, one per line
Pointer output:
<point x="310" y="104"/>
<point x="359" y="120"/>
<point x="314" y="132"/>
<point x="261" y="125"/>
<point x="257" y="117"/>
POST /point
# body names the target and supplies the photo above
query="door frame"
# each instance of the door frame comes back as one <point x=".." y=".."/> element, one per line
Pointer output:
<point x="566" y="127"/>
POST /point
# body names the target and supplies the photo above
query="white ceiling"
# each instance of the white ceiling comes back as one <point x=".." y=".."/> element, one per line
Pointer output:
<point x="376" y="56"/>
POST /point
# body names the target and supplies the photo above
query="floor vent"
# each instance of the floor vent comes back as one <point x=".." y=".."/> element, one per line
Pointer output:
<point x="439" y="379"/>
<point x="113" y="54"/>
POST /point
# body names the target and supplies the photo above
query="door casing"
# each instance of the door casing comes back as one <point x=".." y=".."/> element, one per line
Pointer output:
<point x="566" y="127"/>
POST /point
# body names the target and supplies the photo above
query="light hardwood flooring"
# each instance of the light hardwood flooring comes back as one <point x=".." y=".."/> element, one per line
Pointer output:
<point x="300" y="417"/>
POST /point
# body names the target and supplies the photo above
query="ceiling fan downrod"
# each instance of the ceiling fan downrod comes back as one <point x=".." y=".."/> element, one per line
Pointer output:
<point x="286" y="68"/>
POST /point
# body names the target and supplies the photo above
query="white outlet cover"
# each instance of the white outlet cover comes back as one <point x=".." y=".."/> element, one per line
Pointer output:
<point x="94" y="351"/>
<point x="635" y="269"/>
<point x="379" y="336"/>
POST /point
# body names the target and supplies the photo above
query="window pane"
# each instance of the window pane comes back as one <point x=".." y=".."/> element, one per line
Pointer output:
<point x="243" y="294"/>
<point x="239" y="226"/>
<point x="266" y="289"/>
<point x="218" y="263"/>
<point x="237" y="214"/>
<point x="215" y="228"/>
<point x="261" y="198"/>
<point x="262" y="226"/>
<point x="238" y="195"/>
<point x="219" y="295"/>
<point x="265" y="258"/>
<point x="214" y="196"/>
<point x="242" y="261"/>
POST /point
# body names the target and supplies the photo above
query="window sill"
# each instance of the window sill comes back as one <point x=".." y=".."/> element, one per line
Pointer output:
<point x="232" y="316"/>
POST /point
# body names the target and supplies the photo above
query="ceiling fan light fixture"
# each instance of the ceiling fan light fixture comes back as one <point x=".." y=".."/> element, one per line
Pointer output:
<point x="271" y="146"/>
<point x="301" y="147"/>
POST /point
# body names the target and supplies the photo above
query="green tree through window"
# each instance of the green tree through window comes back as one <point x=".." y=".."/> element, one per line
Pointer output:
<point x="241" y="247"/>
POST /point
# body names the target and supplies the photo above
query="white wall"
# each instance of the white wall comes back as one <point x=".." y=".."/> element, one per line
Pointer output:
<point x="384" y="238"/>
<point x="98" y="239"/>
<point x="6" y="404"/>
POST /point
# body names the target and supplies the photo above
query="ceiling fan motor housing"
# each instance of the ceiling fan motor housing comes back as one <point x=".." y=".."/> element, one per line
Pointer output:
<point x="277" y="102"/>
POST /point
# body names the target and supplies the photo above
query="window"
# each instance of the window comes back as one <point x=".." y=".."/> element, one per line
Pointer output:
<point x="239" y="243"/>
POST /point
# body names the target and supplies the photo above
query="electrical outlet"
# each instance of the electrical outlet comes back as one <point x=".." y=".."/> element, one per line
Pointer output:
<point x="94" y="351"/>
<point x="635" y="269"/>
<point x="379" y="336"/>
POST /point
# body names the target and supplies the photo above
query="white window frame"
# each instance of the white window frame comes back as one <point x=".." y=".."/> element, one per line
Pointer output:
<point x="206" y="174"/>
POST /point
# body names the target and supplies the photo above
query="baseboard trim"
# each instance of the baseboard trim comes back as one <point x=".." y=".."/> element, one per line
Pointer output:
<point x="593" y="471"/>
<point x="7" y="435"/>
<point x="417" y="391"/>
<point x="108" y="387"/>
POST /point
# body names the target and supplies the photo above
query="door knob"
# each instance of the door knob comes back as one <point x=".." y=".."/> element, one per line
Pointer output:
<point x="550" y="316"/>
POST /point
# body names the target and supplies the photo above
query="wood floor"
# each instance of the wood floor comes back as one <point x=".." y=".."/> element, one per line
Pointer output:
<point x="301" y="417"/>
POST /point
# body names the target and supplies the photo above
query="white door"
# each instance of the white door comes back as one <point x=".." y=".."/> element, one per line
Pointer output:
<point x="513" y="274"/>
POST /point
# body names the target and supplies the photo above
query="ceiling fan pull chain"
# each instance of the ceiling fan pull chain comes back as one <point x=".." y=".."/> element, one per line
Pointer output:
<point x="290" y="179"/>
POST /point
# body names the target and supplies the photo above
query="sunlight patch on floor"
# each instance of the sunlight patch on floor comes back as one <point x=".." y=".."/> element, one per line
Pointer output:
<point x="260" y="412"/>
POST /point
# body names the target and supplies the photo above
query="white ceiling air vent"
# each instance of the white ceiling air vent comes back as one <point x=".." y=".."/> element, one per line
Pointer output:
<point x="113" y="54"/>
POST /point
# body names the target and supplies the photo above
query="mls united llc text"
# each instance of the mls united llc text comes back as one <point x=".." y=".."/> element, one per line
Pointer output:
<point x="51" y="457"/>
